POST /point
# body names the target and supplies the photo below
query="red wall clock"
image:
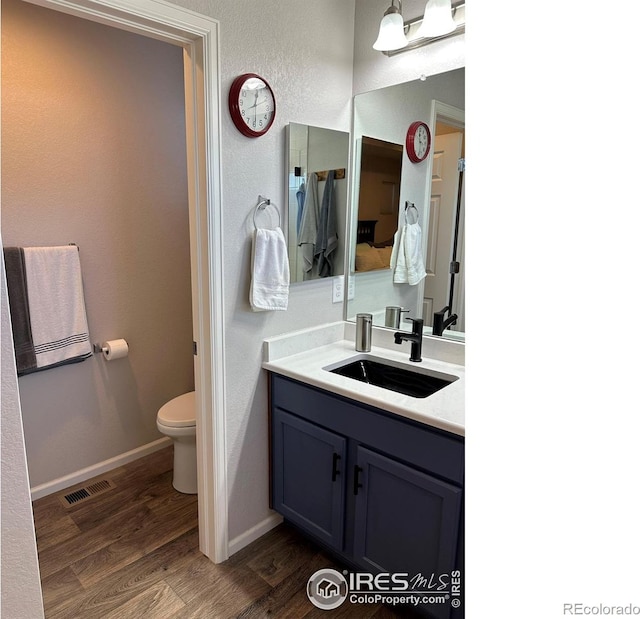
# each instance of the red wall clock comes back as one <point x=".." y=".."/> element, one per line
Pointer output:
<point x="418" y="141"/>
<point x="252" y="105"/>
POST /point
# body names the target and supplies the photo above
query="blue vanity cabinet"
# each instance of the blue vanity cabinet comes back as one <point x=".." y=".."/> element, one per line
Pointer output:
<point x="405" y="520"/>
<point x="308" y="480"/>
<point x="395" y="503"/>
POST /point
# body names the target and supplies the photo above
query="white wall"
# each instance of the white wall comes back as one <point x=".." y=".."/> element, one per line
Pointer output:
<point x="305" y="51"/>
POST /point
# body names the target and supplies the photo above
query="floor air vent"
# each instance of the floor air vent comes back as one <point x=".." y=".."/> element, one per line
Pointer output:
<point x="82" y="494"/>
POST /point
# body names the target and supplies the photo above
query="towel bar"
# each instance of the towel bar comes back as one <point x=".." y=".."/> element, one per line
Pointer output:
<point x="261" y="206"/>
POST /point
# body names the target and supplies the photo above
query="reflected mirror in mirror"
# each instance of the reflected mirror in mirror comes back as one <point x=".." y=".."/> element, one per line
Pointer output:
<point x="317" y="177"/>
<point x="378" y="203"/>
<point x="434" y="185"/>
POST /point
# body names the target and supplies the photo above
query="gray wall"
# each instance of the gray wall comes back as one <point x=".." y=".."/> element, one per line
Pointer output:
<point x="93" y="145"/>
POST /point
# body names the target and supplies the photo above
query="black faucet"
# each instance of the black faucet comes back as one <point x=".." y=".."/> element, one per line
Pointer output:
<point x="439" y="322"/>
<point x="415" y="337"/>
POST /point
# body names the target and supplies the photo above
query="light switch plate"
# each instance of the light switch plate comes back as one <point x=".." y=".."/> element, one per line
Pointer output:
<point x="351" y="292"/>
<point x="338" y="289"/>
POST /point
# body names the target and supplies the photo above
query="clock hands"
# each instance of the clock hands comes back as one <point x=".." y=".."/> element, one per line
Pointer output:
<point x="257" y="103"/>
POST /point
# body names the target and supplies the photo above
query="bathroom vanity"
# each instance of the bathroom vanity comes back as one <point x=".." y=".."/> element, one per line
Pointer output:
<point x="375" y="476"/>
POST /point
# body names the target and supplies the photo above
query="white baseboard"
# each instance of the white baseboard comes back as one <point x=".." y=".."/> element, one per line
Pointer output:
<point x="238" y="543"/>
<point x="97" y="469"/>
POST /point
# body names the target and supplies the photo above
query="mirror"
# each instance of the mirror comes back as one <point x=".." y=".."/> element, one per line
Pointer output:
<point x="317" y="178"/>
<point x="434" y="186"/>
<point x="378" y="203"/>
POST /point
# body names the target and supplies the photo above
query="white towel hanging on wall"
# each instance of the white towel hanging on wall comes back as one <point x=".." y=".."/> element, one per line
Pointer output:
<point x="269" y="271"/>
<point x="269" y="266"/>
<point x="56" y="305"/>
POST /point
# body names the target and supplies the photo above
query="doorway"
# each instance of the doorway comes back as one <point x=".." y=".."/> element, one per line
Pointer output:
<point x="197" y="35"/>
<point x="444" y="284"/>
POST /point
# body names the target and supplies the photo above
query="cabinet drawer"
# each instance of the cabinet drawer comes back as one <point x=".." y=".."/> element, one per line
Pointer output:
<point x="439" y="453"/>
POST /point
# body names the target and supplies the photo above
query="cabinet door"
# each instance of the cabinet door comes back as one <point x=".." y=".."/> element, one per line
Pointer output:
<point x="308" y="476"/>
<point x="405" y="520"/>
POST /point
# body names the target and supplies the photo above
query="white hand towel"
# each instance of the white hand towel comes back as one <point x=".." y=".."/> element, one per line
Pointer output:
<point x="269" y="271"/>
<point x="397" y="255"/>
<point x="56" y="305"/>
<point x="413" y="254"/>
<point x="406" y="258"/>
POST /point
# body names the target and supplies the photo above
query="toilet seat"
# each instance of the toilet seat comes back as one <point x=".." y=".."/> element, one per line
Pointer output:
<point x="179" y="412"/>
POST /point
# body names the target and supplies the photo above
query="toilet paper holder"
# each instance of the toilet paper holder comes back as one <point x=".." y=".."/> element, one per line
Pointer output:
<point x="112" y="349"/>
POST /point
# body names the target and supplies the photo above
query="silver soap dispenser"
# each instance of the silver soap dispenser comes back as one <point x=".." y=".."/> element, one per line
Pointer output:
<point x="364" y="323"/>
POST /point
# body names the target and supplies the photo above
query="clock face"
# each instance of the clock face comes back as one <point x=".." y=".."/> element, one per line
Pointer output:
<point x="418" y="141"/>
<point x="252" y="105"/>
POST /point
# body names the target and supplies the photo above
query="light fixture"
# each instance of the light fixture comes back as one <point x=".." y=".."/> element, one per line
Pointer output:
<point x="437" y="19"/>
<point x="391" y="35"/>
<point x="442" y="19"/>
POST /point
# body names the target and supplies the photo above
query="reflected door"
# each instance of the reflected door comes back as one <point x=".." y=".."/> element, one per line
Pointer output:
<point x="442" y="213"/>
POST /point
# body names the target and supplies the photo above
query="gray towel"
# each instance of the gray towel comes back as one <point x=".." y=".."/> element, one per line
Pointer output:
<point x="19" y="308"/>
<point x="327" y="239"/>
<point x="309" y="224"/>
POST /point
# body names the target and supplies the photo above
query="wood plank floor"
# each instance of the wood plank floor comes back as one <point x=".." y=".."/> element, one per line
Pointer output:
<point x="132" y="552"/>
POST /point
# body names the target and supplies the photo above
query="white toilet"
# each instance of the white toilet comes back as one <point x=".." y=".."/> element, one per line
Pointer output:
<point x="177" y="419"/>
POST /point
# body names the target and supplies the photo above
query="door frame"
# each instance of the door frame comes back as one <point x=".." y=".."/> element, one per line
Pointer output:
<point x="454" y="116"/>
<point x="198" y="36"/>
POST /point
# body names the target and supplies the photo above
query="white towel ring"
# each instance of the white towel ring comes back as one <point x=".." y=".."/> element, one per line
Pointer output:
<point x="261" y="206"/>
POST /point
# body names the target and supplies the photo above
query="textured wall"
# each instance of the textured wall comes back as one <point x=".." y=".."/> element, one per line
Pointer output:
<point x="19" y="579"/>
<point x="305" y="52"/>
<point x="93" y="152"/>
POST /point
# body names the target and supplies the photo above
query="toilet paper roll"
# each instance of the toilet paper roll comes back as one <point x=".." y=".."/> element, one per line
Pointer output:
<point x="115" y="349"/>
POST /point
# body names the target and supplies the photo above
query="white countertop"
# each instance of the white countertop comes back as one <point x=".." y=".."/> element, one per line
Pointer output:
<point x="443" y="409"/>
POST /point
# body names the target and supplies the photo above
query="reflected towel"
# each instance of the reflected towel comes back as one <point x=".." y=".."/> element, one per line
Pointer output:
<point x="327" y="239"/>
<point x="56" y="304"/>
<point x="300" y="197"/>
<point x="269" y="271"/>
<point x="406" y="258"/>
<point x="309" y="224"/>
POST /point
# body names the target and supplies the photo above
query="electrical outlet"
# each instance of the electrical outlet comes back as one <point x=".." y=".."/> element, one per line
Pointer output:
<point x="351" y="292"/>
<point x="338" y="289"/>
